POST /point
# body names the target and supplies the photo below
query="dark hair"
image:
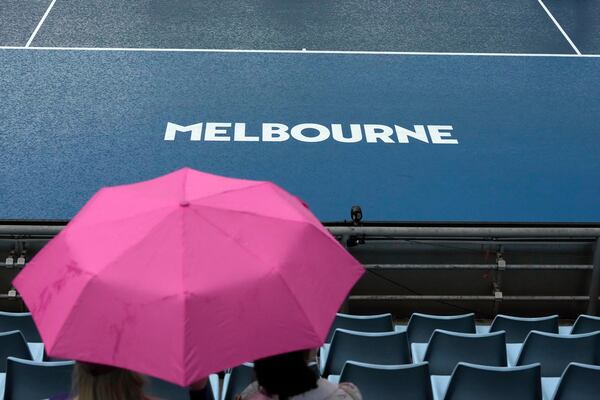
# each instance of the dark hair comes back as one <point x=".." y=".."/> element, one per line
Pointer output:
<point x="285" y="375"/>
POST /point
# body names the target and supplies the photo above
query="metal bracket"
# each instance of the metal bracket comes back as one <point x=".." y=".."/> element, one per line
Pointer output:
<point x="21" y="261"/>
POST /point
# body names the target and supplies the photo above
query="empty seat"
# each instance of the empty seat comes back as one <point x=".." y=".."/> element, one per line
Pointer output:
<point x="555" y="351"/>
<point x="20" y="322"/>
<point x="476" y="382"/>
<point x="361" y="323"/>
<point x="385" y="348"/>
<point x="165" y="390"/>
<point x="12" y="344"/>
<point x="446" y="349"/>
<point x="389" y="382"/>
<point x="237" y="379"/>
<point x="579" y="382"/>
<point x="27" y="379"/>
<point x="586" y="324"/>
<point x="517" y="328"/>
<point x="421" y="326"/>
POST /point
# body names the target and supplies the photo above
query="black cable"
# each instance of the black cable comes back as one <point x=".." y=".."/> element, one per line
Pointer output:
<point x="421" y="294"/>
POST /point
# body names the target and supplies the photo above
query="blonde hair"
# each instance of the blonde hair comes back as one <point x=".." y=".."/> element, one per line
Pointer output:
<point x="102" y="382"/>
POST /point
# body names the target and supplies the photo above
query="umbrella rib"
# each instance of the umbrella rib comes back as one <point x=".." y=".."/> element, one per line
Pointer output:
<point x="257" y="257"/>
<point x="253" y="185"/>
<point x="226" y="234"/>
<point x="255" y="214"/>
<point x="127" y="218"/>
<point x="308" y="320"/>
<point x="94" y="276"/>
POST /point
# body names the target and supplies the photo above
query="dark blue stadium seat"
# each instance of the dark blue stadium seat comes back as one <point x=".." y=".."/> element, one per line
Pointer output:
<point x="389" y="382"/>
<point x="12" y="344"/>
<point x="478" y="382"/>
<point x="27" y="379"/>
<point x="376" y="348"/>
<point x="518" y="328"/>
<point x="586" y="324"/>
<point x="579" y="382"/>
<point x="19" y="322"/>
<point x="237" y="380"/>
<point x="166" y="390"/>
<point x="421" y="326"/>
<point x="554" y="352"/>
<point x="446" y="349"/>
<point x="361" y="323"/>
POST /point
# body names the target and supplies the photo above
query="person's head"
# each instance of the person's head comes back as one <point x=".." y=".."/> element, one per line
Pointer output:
<point x="285" y="375"/>
<point x="102" y="382"/>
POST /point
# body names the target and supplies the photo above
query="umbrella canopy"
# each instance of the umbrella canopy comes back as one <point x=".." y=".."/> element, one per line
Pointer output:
<point x="187" y="274"/>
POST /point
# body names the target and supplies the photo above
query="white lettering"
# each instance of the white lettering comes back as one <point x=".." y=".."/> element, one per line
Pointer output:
<point x="313" y="133"/>
<point x="172" y="129"/>
<point x="275" y="133"/>
<point x="419" y="134"/>
<point x="378" y="132"/>
<point x="239" y="134"/>
<point x="216" y="132"/>
<point x="438" y="136"/>
<point x="298" y="133"/>
<point x="355" y="133"/>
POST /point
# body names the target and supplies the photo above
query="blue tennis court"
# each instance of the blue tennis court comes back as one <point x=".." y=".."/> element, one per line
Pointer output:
<point x="417" y="111"/>
<point x="452" y="147"/>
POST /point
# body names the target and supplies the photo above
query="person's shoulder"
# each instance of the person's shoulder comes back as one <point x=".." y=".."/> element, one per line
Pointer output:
<point x="252" y="392"/>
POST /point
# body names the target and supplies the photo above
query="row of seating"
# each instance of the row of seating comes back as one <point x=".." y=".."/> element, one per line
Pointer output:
<point x="418" y="329"/>
<point x="472" y="382"/>
<point x="467" y="382"/>
<point x="24" y="376"/>
<point x="33" y="380"/>
<point x="441" y="350"/>
<point x="446" y="349"/>
<point x="421" y="326"/>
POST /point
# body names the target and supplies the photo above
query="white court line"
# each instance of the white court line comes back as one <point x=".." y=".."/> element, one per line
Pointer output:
<point x="39" y="25"/>
<point x="266" y="51"/>
<point x="559" y="27"/>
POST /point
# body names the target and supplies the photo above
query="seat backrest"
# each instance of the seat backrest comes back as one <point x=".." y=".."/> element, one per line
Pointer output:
<point x="361" y="323"/>
<point x="421" y="326"/>
<point x="446" y="349"/>
<point x="239" y="377"/>
<point x="19" y="322"/>
<point x="476" y="382"/>
<point x="27" y="379"/>
<point x="586" y="324"/>
<point x="386" y="382"/>
<point x="165" y="390"/>
<point x="12" y="344"/>
<point x="555" y="352"/>
<point x="385" y="348"/>
<point x="517" y="328"/>
<point x="579" y="382"/>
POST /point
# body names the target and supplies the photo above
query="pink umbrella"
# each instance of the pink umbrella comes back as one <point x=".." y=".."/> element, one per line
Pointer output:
<point x="187" y="274"/>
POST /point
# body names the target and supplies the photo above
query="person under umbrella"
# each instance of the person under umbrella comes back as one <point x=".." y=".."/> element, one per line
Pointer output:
<point x="288" y="377"/>
<point x="103" y="382"/>
<point x="185" y="275"/>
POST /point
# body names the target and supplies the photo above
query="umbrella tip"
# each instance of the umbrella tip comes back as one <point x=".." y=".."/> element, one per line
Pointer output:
<point x="184" y="203"/>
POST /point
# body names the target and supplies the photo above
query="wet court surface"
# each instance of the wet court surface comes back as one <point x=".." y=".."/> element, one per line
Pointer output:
<point x="525" y="122"/>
